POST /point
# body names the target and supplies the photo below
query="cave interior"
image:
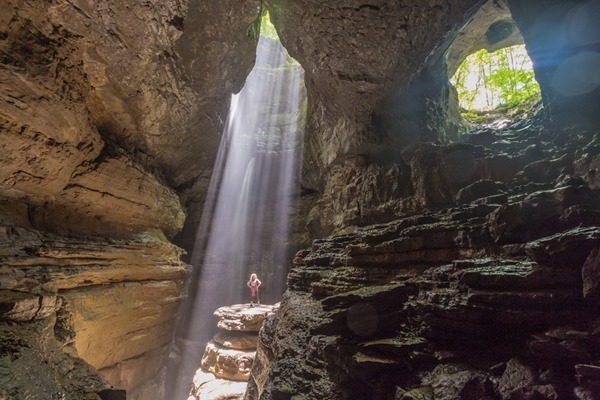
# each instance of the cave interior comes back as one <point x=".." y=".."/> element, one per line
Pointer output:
<point x="423" y="259"/>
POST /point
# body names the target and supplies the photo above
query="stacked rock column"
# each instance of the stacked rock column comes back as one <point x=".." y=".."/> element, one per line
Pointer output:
<point x="228" y="358"/>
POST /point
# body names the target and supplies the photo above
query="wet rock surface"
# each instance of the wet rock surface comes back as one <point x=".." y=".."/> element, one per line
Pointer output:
<point x="228" y="358"/>
<point x="492" y="296"/>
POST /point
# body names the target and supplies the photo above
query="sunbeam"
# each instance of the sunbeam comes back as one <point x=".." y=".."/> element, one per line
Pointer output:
<point x="245" y="222"/>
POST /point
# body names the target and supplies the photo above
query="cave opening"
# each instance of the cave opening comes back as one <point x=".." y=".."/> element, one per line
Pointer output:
<point x="497" y="85"/>
<point x="248" y="212"/>
<point x="491" y="74"/>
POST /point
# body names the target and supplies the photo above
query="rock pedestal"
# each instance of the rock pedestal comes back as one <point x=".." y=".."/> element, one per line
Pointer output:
<point x="227" y="360"/>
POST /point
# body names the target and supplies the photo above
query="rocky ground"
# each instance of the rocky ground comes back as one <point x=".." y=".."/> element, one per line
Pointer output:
<point x="494" y="296"/>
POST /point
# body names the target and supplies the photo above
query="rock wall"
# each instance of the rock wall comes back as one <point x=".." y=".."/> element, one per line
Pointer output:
<point x="347" y="76"/>
<point x="109" y="123"/>
<point x="33" y="364"/>
<point x="478" y="280"/>
<point x="493" y="296"/>
<point x="377" y="83"/>
<point x="366" y="101"/>
<point x="491" y="28"/>
<point x="563" y="43"/>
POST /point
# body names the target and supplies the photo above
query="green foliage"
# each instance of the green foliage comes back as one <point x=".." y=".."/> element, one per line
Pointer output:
<point x="262" y="26"/>
<point x="254" y="29"/>
<point x="500" y="80"/>
<point x="267" y="29"/>
<point x="474" y="118"/>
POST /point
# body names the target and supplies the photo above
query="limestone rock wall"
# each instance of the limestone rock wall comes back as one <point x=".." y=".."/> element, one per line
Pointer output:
<point x="369" y="95"/>
<point x="491" y="28"/>
<point x="377" y="83"/>
<point x="109" y="123"/>
<point x="113" y="303"/>
<point x="493" y="296"/>
<point x="34" y="366"/>
<point x="480" y="279"/>
<point x="563" y="43"/>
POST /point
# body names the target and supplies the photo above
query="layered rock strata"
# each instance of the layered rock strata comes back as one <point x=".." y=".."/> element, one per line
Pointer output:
<point x="109" y="123"/>
<point x="111" y="303"/>
<point x="369" y="104"/>
<point x="228" y="358"/>
<point x="493" y="296"/>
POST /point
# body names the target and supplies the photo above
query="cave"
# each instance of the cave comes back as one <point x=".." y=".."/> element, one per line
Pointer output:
<point x="417" y="259"/>
<point x="491" y="72"/>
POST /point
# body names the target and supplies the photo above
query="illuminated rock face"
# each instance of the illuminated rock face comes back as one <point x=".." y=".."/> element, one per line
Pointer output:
<point x="228" y="358"/>
<point x="109" y="121"/>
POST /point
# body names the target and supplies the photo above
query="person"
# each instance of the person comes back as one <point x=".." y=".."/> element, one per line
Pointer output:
<point x="254" y="283"/>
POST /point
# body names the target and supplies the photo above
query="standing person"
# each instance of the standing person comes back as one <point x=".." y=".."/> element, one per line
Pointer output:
<point x="254" y="283"/>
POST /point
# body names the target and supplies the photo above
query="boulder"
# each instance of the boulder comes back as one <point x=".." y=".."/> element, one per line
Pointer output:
<point x="543" y="213"/>
<point x="228" y="358"/>
<point x="479" y="189"/>
<point x="450" y="382"/>
<point x="568" y="249"/>
<point x="548" y="170"/>
<point x="565" y="344"/>
<point x="20" y="306"/>
<point x="588" y="376"/>
<point x="499" y="167"/>
<point x="207" y="386"/>
<point x="515" y="377"/>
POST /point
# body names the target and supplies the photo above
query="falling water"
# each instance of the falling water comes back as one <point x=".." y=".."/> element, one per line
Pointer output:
<point x="245" y="222"/>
